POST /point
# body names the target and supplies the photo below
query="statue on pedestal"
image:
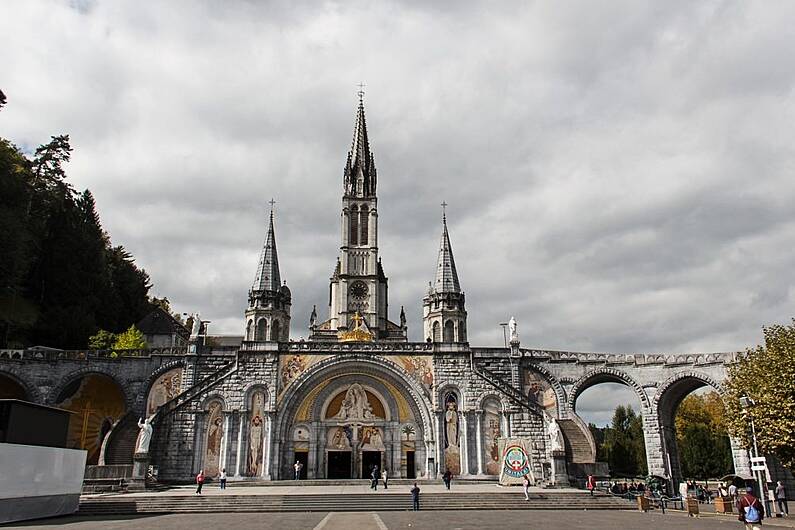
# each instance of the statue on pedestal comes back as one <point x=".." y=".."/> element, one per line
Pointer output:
<point x="145" y="435"/>
<point x="512" y="329"/>
<point x="556" y="442"/>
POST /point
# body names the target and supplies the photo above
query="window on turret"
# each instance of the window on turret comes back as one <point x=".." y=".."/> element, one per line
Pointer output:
<point x="353" y="239"/>
<point x="365" y="222"/>
<point x="449" y="331"/>
<point x="437" y="332"/>
<point x="262" y="329"/>
<point x="275" y="331"/>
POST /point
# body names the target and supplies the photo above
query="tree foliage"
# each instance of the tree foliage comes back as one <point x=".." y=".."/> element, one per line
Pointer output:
<point x="132" y="339"/>
<point x="621" y="444"/>
<point x="702" y="438"/>
<point x="60" y="278"/>
<point x="767" y="375"/>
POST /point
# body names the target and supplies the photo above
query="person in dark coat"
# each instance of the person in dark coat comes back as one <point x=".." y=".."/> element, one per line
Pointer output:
<point x="374" y="474"/>
<point x="447" y="478"/>
<point x="415" y="497"/>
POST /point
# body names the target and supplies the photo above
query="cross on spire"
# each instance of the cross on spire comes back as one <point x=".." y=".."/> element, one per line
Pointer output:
<point x="361" y="91"/>
<point x="444" y="210"/>
<point x="272" y="203"/>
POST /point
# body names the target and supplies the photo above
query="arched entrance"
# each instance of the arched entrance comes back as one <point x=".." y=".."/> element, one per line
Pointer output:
<point x="667" y="401"/>
<point x="344" y="417"/>
<point x="10" y="388"/>
<point x="97" y="403"/>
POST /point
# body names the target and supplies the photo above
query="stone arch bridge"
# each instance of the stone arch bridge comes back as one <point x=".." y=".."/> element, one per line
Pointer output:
<point x="218" y="392"/>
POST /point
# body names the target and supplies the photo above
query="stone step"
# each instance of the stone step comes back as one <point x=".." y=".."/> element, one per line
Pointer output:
<point x="125" y="505"/>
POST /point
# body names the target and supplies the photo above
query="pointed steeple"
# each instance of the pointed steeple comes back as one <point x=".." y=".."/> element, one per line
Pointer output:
<point x="268" y="277"/>
<point x="360" y="174"/>
<point x="446" y="274"/>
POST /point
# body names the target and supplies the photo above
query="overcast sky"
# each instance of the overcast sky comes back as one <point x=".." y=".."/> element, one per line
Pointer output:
<point x="619" y="174"/>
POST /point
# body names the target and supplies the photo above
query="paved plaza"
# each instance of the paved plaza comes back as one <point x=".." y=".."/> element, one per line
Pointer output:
<point x="504" y="520"/>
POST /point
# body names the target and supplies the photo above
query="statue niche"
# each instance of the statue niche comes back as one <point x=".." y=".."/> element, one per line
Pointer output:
<point x="357" y="405"/>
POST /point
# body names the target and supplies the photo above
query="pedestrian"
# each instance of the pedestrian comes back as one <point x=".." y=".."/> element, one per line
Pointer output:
<point x="447" y="478"/>
<point x="385" y="477"/>
<point x="781" y="499"/>
<point x="297" y="467"/>
<point x="751" y="510"/>
<point x="590" y="484"/>
<point x="374" y="478"/>
<point x="223" y="479"/>
<point x="199" y="482"/>
<point x="526" y="486"/>
<point x="733" y="492"/>
<point x="415" y="497"/>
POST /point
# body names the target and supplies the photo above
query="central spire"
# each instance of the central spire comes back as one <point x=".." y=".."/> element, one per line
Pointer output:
<point x="268" y="277"/>
<point x="360" y="174"/>
<point x="446" y="273"/>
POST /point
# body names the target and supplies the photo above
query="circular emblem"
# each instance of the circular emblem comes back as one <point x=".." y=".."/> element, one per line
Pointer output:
<point x="359" y="291"/>
<point x="516" y="462"/>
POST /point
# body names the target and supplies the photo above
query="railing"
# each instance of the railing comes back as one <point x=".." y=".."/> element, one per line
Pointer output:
<point x="510" y="391"/>
<point x="202" y="386"/>
<point x="82" y="355"/>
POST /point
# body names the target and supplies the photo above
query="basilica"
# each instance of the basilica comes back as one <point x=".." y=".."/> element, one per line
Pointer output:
<point x="357" y="393"/>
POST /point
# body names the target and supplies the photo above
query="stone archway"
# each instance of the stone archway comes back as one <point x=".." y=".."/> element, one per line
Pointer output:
<point x="667" y="399"/>
<point x="12" y="387"/>
<point x="349" y="411"/>
<point x="606" y="375"/>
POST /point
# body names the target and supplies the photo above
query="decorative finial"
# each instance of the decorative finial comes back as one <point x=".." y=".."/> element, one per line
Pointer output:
<point x="272" y="203"/>
<point x="444" y="211"/>
<point x="361" y="92"/>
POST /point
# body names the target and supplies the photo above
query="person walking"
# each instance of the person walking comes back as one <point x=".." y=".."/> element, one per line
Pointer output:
<point x="374" y="478"/>
<point x="223" y="479"/>
<point x="751" y="510"/>
<point x="526" y="486"/>
<point x="781" y="499"/>
<point x="733" y="493"/>
<point x="415" y="497"/>
<point x="297" y="467"/>
<point x="199" y="482"/>
<point x="447" y="478"/>
<point x="590" y="484"/>
<point x="385" y="477"/>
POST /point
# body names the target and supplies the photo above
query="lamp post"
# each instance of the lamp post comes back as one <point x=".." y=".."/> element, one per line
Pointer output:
<point x="504" y="334"/>
<point x="747" y="404"/>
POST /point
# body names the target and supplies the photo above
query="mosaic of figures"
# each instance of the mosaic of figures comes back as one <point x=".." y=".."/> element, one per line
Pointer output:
<point x="452" y="452"/>
<point x="540" y="391"/>
<point x="292" y="366"/>
<point x="215" y="434"/>
<point x="164" y="389"/>
<point x="418" y="367"/>
<point x="491" y="436"/>
<point x="355" y="404"/>
<point x="256" y="432"/>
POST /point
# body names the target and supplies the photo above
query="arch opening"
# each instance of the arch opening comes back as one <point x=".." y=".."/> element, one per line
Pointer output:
<point x="10" y="388"/>
<point x="97" y="402"/>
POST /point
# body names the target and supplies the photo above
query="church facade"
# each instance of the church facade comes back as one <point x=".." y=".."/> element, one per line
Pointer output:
<point x="358" y="393"/>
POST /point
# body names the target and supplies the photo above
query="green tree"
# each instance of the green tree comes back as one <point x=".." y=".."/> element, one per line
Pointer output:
<point x="132" y="339"/>
<point x="702" y="438"/>
<point x="766" y="374"/>
<point x="621" y="444"/>
<point x="102" y="340"/>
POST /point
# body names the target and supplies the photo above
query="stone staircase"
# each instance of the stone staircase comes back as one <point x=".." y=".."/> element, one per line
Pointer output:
<point x="506" y="388"/>
<point x="121" y="441"/>
<point x="353" y="502"/>
<point x="578" y="446"/>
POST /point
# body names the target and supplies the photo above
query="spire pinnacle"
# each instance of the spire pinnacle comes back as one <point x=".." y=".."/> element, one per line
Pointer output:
<point x="446" y="273"/>
<point x="268" y="277"/>
<point x="360" y="174"/>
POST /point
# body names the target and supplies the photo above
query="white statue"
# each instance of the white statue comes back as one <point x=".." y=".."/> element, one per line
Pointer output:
<point x="355" y="405"/>
<point x="555" y="436"/>
<point x="145" y="435"/>
<point x="512" y="328"/>
<point x="451" y="424"/>
<point x="197" y="326"/>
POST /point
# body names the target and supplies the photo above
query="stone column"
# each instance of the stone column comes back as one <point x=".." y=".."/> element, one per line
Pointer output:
<point x="439" y="442"/>
<point x="199" y="441"/>
<point x="479" y="439"/>
<point x="266" y="453"/>
<point x="224" y="443"/>
<point x="463" y="439"/>
<point x="656" y="458"/>
<point x="241" y="416"/>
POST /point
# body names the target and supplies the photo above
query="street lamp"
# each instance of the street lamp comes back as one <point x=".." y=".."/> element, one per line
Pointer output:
<point x="747" y="404"/>
<point x="504" y="333"/>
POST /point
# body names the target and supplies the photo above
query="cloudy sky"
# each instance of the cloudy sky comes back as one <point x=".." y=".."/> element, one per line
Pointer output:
<point x="619" y="174"/>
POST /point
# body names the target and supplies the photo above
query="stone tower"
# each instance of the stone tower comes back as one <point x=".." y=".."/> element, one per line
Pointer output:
<point x="444" y="314"/>
<point x="358" y="284"/>
<point x="268" y="312"/>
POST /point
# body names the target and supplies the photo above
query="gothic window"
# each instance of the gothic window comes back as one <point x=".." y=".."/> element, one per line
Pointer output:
<point x="249" y="330"/>
<point x="276" y="331"/>
<point x="437" y="332"/>
<point x="449" y="331"/>
<point x="462" y="331"/>
<point x="365" y="223"/>
<point x="353" y="239"/>
<point x="262" y="329"/>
